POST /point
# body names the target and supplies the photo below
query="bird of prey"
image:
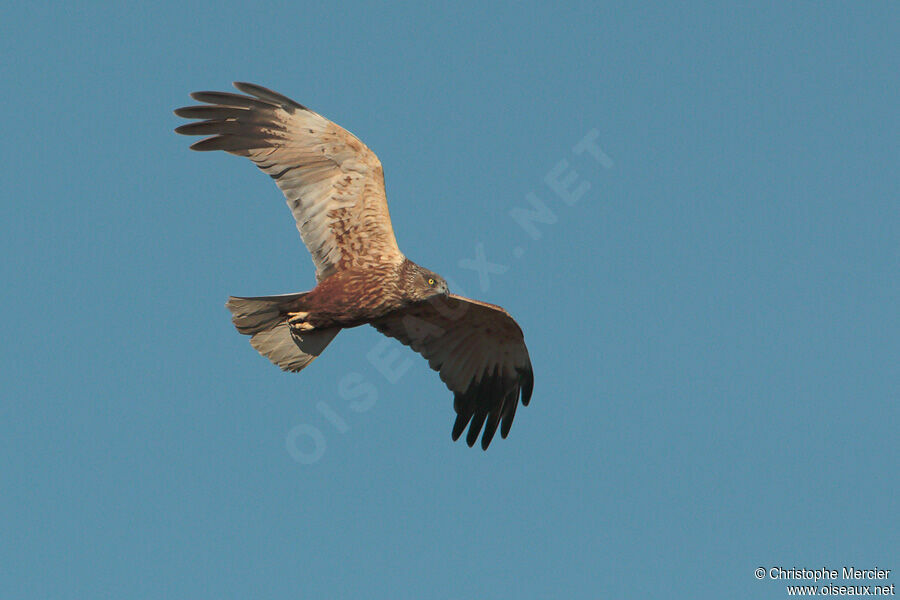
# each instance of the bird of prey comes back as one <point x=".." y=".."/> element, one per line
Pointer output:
<point x="334" y="186"/>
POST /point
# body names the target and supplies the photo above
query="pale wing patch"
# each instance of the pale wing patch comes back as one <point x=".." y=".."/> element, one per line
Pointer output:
<point x="333" y="183"/>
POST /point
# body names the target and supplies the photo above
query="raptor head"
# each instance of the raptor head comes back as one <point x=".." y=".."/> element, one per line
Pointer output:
<point x="422" y="284"/>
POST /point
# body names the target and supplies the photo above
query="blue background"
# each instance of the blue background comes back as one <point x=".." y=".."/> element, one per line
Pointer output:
<point x="714" y="324"/>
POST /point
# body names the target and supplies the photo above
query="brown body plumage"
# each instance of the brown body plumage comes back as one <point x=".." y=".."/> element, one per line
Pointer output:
<point x="334" y="186"/>
<point x="361" y="295"/>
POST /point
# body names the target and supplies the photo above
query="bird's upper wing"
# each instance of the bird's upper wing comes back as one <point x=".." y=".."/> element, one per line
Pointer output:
<point x="480" y="353"/>
<point x="333" y="183"/>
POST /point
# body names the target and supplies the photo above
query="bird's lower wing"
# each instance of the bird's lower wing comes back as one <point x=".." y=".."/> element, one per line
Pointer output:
<point x="480" y="353"/>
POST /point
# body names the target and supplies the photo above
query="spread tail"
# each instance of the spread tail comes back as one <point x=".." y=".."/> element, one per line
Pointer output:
<point x="264" y="318"/>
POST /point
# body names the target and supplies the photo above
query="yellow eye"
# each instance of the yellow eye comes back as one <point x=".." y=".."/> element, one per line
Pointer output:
<point x="431" y="281"/>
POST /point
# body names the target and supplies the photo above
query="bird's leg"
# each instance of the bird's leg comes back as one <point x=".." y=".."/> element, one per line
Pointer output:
<point x="298" y="322"/>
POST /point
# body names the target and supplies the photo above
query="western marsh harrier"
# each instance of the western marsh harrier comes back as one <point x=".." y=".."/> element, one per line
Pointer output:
<point x="334" y="186"/>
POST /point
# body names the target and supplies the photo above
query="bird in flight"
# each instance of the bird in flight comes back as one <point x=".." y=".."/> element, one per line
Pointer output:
<point x="334" y="186"/>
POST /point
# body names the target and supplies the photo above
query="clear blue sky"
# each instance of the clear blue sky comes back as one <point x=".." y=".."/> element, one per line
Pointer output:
<point x="713" y="323"/>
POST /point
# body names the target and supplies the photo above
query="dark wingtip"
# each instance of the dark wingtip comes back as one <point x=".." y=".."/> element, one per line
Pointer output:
<point x="199" y="96"/>
<point x="212" y="112"/>
<point x="207" y="145"/>
<point x="232" y="100"/>
<point x="191" y="129"/>
<point x="526" y="377"/>
<point x="215" y="128"/>
<point x="490" y="428"/>
<point x="488" y="436"/>
<point x="460" y="425"/>
<point x="230" y="143"/>
<point x="268" y="95"/>
<point x="509" y="414"/>
<point x="475" y="428"/>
